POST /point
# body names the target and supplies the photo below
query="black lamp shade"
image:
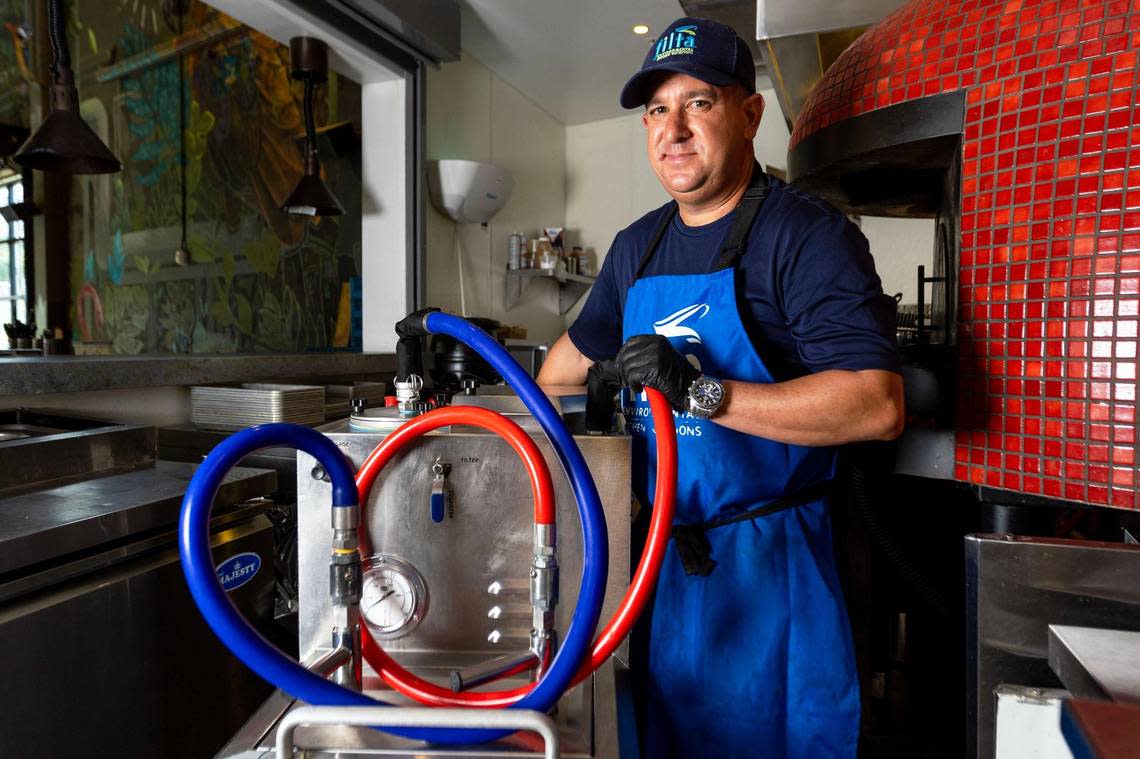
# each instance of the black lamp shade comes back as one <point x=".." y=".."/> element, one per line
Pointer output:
<point x="311" y="197"/>
<point x="65" y="143"/>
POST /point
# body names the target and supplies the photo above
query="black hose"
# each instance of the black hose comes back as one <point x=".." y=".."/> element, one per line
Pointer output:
<point x="182" y="138"/>
<point x="310" y="125"/>
<point x="409" y="358"/>
<point x="56" y="18"/>
<point x="885" y="541"/>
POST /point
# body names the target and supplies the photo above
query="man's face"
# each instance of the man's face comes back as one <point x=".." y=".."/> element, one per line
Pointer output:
<point x="699" y="135"/>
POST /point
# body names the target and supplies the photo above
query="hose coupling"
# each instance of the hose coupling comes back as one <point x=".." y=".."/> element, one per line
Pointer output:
<point x="348" y="639"/>
<point x="545" y="539"/>
<point x="345" y="523"/>
<point x="345" y="578"/>
<point x="543" y="592"/>
<point x="408" y="393"/>
<point x="543" y="645"/>
<point x="544" y="583"/>
<point x="346" y="517"/>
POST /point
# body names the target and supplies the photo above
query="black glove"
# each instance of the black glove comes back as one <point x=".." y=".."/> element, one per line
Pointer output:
<point x="412" y="325"/>
<point x="650" y="361"/>
<point x="602" y="382"/>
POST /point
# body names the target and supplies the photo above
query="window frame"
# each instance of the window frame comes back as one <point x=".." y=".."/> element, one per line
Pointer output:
<point x="21" y="288"/>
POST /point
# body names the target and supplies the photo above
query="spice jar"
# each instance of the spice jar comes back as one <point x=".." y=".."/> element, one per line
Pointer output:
<point x="544" y="255"/>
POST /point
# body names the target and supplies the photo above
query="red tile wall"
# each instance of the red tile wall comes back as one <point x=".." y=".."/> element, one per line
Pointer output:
<point x="1049" y="305"/>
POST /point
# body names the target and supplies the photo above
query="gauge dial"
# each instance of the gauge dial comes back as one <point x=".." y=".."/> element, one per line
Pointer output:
<point x="393" y="598"/>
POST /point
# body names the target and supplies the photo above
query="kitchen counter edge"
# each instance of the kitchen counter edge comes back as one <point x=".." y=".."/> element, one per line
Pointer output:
<point x="37" y="375"/>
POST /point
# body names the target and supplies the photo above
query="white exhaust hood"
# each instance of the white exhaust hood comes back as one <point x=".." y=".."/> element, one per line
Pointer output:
<point x="785" y="18"/>
<point x="795" y="39"/>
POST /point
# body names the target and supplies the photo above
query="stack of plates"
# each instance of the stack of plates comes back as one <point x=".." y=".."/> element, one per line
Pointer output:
<point x="236" y="406"/>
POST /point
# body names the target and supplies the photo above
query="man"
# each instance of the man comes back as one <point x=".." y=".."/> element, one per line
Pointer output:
<point x="756" y="310"/>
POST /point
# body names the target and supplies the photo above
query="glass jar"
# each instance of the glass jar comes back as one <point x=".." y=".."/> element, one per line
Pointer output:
<point x="544" y="255"/>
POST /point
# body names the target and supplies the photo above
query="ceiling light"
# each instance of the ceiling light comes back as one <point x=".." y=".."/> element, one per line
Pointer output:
<point x="640" y="29"/>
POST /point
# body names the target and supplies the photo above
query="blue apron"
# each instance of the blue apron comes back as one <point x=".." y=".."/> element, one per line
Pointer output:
<point x="751" y="657"/>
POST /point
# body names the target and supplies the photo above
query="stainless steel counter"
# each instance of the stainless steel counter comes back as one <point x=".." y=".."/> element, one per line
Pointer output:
<point x="1104" y="666"/>
<point x="35" y="375"/>
<point x="1095" y="663"/>
<point x="47" y="524"/>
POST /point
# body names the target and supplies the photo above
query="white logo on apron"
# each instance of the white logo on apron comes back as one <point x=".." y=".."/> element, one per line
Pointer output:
<point x="671" y="326"/>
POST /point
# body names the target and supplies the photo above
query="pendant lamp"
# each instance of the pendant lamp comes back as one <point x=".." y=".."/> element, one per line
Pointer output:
<point x="64" y="142"/>
<point x="309" y="61"/>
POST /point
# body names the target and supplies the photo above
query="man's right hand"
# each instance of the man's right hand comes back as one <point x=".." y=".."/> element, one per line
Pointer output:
<point x="651" y="361"/>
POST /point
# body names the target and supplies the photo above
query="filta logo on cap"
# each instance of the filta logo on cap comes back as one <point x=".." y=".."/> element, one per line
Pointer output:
<point x="680" y="41"/>
<point x="701" y="48"/>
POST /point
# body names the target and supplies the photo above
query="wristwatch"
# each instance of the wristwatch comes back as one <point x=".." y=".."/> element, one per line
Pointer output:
<point x="706" y="396"/>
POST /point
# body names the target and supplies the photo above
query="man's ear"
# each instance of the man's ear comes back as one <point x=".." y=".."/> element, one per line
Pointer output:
<point x="753" y="107"/>
<point x="645" y="118"/>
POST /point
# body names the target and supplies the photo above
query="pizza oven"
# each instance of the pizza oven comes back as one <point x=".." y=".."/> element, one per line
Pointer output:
<point x="1014" y="126"/>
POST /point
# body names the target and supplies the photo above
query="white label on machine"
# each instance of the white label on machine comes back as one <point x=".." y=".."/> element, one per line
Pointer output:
<point x="1029" y="723"/>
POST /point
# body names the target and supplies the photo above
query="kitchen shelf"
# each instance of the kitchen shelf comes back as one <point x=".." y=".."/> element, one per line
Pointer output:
<point x="571" y="287"/>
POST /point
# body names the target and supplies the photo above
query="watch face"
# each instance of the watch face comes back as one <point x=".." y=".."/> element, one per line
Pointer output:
<point x="707" y="394"/>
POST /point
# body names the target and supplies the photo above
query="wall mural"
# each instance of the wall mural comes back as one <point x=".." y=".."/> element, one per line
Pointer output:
<point x="251" y="278"/>
<point x="14" y="72"/>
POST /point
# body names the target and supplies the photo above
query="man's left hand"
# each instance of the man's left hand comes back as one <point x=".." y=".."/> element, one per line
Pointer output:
<point x="650" y="361"/>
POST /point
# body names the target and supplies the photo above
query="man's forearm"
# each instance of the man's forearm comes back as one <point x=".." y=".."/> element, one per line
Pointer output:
<point x="564" y="364"/>
<point x="828" y="408"/>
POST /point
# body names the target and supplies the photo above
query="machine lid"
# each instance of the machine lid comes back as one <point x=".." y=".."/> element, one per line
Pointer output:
<point x="376" y="419"/>
<point x="496" y="398"/>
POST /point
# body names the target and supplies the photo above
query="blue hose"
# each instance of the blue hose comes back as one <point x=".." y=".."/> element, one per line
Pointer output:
<point x="280" y="670"/>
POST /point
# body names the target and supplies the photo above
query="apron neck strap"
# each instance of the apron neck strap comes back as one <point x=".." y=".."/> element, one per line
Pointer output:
<point x="746" y="211"/>
<point x="655" y="240"/>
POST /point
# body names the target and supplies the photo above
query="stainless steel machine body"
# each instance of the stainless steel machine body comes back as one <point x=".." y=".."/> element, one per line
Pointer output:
<point x="470" y="571"/>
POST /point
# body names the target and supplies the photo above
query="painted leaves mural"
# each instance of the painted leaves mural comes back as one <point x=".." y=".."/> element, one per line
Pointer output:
<point x="201" y="108"/>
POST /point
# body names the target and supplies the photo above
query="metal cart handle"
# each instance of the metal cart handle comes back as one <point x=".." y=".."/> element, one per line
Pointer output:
<point x="387" y="716"/>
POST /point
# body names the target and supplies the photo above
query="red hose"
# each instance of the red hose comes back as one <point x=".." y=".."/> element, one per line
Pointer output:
<point x="636" y="596"/>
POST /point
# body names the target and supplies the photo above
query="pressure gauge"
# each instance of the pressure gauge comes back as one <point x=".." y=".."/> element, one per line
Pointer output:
<point x="394" y="596"/>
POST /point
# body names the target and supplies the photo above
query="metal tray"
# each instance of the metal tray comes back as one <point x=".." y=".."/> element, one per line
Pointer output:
<point x="231" y="407"/>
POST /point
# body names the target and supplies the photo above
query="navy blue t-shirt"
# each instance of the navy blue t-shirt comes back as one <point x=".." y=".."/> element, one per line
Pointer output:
<point x="806" y="285"/>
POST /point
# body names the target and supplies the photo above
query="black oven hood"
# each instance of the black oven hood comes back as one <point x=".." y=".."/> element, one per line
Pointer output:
<point x="888" y="162"/>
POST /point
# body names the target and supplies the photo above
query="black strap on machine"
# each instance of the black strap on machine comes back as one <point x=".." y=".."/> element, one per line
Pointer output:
<point x="693" y="547"/>
<point x="602" y="383"/>
<point x="734" y="243"/>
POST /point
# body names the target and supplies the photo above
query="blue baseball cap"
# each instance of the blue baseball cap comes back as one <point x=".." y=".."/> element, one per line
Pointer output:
<point x="704" y="49"/>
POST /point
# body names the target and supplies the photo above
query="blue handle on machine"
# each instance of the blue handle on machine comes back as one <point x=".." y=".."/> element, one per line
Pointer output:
<point x="438" y="501"/>
<point x="280" y="670"/>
